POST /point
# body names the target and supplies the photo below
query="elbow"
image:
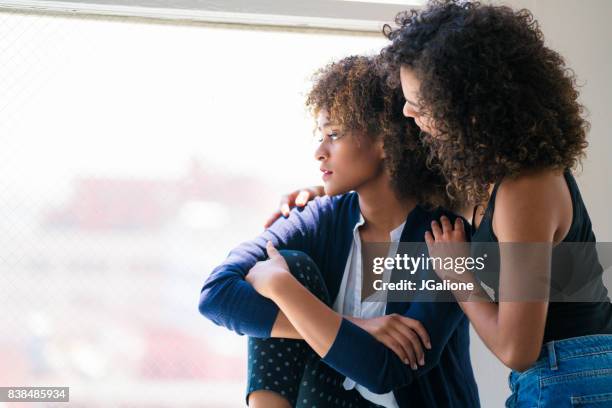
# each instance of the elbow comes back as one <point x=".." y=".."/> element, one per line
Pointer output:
<point x="389" y="380"/>
<point x="519" y="364"/>
<point x="207" y="305"/>
<point x="386" y="383"/>
<point x="519" y="359"/>
<point x="211" y="302"/>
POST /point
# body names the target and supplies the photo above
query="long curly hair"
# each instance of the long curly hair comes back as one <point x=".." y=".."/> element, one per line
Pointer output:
<point x="501" y="100"/>
<point x="356" y="94"/>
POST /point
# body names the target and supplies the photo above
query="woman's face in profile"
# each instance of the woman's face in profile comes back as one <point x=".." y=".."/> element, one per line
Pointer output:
<point x="347" y="160"/>
<point x="411" y="86"/>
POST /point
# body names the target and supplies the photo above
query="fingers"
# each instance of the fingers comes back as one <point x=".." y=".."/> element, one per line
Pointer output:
<point x="446" y="225"/>
<point x="444" y="230"/>
<point x="402" y="347"/>
<point x="272" y="252"/>
<point x="395" y="346"/>
<point x="308" y="194"/>
<point x="272" y="218"/>
<point x="459" y="227"/>
<point x="419" y="329"/>
<point x="284" y="207"/>
<point x="437" y="231"/>
<point x="291" y="200"/>
<point x="302" y="198"/>
<point x="287" y="202"/>
<point x="414" y="336"/>
<point x="458" y="223"/>
<point x="411" y="342"/>
<point x="429" y="238"/>
<point x="299" y="198"/>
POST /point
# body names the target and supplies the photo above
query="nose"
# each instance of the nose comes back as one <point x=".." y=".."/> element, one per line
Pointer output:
<point x="408" y="111"/>
<point x="321" y="152"/>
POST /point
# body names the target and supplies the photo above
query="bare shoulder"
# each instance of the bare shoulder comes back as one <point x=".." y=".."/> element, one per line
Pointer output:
<point x="540" y="184"/>
<point x="533" y="205"/>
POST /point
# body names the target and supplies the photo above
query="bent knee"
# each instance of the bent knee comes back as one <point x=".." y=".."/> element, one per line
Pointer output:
<point x="295" y="256"/>
<point x="267" y="399"/>
<point x="306" y="271"/>
<point x="299" y="261"/>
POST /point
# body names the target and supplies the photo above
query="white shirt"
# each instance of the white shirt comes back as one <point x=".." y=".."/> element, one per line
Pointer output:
<point x="348" y="303"/>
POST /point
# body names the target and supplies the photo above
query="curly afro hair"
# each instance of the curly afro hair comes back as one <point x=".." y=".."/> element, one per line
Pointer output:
<point x="356" y="94"/>
<point x="501" y="101"/>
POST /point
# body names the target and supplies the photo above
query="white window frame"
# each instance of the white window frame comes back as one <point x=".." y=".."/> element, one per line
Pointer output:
<point x="346" y="15"/>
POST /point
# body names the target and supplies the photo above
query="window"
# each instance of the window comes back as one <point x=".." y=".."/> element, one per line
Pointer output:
<point x="135" y="155"/>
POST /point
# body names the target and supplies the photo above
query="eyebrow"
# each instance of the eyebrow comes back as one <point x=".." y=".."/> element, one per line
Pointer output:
<point x="326" y="125"/>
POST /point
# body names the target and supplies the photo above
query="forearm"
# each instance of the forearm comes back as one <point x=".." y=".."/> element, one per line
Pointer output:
<point x="284" y="329"/>
<point x="508" y="329"/>
<point x="378" y="367"/>
<point x="509" y="337"/>
<point x="482" y="313"/>
<point x="483" y="317"/>
<point x="229" y="301"/>
<point x="312" y="320"/>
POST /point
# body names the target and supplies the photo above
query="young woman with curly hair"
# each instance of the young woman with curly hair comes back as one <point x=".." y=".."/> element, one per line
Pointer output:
<point x="499" y="110"/>
<point x="313" y="340"/>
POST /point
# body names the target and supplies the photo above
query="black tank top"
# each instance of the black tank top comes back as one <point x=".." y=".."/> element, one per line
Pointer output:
<point x="564" y="319"/>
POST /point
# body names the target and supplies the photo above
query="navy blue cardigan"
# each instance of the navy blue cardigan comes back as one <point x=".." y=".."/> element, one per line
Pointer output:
<point x="324" y="230"/>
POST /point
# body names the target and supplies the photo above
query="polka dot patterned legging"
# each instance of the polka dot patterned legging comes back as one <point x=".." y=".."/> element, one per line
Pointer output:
<point x="290" y="367"/>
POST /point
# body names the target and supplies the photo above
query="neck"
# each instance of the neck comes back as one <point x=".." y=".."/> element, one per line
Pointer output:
<point x="382" y="210"/>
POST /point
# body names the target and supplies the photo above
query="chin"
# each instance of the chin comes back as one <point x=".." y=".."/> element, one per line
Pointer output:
<point x="332" y="190"/>
<point x="428" y="136"/>
<point x="433" y="133"/>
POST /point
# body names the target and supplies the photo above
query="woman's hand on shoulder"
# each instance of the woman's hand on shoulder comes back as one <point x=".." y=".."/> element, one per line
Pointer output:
<point x="297" y="198"/>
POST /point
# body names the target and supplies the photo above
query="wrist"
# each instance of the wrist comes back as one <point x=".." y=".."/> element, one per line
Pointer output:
<point x="465" y="277"/>
<point x="351" y="319"/>
<point x="360" y="322"/>
<point x="280" y="284"/>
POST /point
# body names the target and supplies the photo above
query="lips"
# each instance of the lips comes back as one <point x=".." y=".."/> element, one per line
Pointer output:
<point x="326" y="173"/>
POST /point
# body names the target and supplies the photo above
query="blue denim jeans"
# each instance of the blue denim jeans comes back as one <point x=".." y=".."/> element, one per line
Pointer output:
<point x="573" y="372"/>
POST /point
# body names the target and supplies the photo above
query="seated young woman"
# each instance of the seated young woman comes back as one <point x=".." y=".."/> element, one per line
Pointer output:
<point x="296" y="290"/>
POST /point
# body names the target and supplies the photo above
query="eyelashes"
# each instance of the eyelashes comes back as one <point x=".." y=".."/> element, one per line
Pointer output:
<point x="333" y="136"/>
